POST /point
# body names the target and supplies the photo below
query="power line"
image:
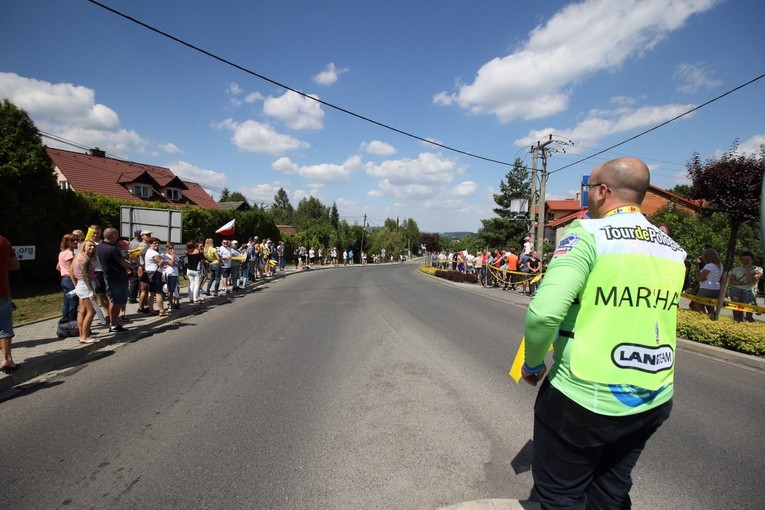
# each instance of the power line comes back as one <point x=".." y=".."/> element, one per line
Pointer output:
<point x="660" y="125"/>
<point x="291" y="89"/>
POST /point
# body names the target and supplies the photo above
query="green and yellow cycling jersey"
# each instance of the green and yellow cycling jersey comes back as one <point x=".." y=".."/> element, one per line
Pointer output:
<point x="608" y="302"/>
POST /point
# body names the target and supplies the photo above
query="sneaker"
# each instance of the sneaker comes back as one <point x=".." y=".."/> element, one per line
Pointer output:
<point x="117" y="329"/>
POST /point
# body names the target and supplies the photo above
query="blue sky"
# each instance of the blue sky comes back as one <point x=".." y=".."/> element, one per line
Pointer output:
<point x="489" y="78"/>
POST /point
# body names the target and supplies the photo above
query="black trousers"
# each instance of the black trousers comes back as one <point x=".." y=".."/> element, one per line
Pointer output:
<point x="583" y="459"/>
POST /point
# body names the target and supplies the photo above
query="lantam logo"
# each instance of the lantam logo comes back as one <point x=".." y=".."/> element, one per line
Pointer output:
<point x="643" y="358"/>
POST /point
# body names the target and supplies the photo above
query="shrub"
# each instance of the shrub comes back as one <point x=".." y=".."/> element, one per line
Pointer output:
<point x="745" y="337"/>
<point x="456" y="276"/>
<point x="431" y="270"/>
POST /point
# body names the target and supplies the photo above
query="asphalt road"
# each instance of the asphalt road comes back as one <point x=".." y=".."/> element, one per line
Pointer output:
<point x="363" y="387"/>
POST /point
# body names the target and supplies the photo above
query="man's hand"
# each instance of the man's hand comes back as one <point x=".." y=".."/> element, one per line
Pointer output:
<point x="533" y="377"/>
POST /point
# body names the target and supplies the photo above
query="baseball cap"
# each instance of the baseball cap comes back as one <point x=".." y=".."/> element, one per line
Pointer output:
<point x="145" y="232"/>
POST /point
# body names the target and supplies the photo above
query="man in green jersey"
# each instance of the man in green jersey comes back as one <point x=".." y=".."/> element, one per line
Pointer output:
<point x="608" y="304"/>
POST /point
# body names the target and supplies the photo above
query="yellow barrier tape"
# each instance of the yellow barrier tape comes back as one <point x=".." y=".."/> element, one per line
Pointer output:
<point x="728" y="305"/>
<point x="531" y="279"/>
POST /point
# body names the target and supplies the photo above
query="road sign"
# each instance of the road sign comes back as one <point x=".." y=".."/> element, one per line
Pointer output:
<point x="24" y="252"/>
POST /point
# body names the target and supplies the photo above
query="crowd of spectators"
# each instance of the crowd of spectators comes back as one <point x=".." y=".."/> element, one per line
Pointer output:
<point x="512" y="271"/>
<point x="100" y="274"/>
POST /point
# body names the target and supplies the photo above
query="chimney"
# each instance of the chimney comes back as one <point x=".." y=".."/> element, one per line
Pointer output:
<point x="98" y="153"/>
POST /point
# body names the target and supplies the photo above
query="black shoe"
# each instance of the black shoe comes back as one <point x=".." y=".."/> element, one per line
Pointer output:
<point x="117" y="329"/>
<point x="133" y="302"/>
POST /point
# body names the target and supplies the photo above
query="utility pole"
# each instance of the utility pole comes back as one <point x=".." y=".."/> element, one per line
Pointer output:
<point x="533" y="202"/>
<point x="363" y="228"/>
<point x="542" y="147"/>
<point x="539" y="242"/>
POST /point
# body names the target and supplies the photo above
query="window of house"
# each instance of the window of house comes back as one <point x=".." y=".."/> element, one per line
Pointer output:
<point x="141" y="190"/>
<point x="64" y="185"/>
<point x="173" y="194"/>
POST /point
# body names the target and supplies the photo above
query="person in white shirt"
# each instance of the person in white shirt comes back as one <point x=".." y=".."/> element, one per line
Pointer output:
<point x="153" y="266"/>
<point x="171" y="275"/>
<point x="708" y="278"/>
<point x="224" y="252"/>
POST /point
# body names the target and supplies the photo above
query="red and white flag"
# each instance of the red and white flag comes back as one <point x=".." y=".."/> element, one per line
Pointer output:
<point x="227" y="229"/>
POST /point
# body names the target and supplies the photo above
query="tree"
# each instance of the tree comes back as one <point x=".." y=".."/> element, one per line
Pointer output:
<point x="432" y="242"/>
<point x="225" y="195"/>
<point x="730" y="184"/>
<point x="310" y="209"/>
<point x="34" y="210"/>
<point x="411" y="234"/>
<point x="282" y="208"/>
<point x="236" y="197"/>
<point x="511" y="224"/>
<point x="683" y="190"/>
<point x="334" y="216"/>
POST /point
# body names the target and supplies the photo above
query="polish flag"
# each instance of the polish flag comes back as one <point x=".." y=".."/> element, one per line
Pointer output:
<point x="227" y="229"/>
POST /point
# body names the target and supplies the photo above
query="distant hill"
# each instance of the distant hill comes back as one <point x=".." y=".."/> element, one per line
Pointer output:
<point x="455" y="236"/>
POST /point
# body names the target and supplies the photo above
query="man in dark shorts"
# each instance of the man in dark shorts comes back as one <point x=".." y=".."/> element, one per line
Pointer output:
<point x="116" y="272"/>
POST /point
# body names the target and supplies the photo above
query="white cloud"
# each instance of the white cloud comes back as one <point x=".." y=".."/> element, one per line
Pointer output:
<point x="600" y="123"/>
<point x="329" y="75"/>
<point x="296" y="111"/>
<point x="189" y="172"/>
<point x="466" y="188"/>
<point x="694" y="76"/>
<point x="170" y="148"/>
<point x="427" y="168"/>
<point x="322" y="173"/>
<point x="121" y="143"/>
<point x="260" y="193"/>
<point x="253" y="136"/>
<point x="234" y="89"/>
<point x="344" y="202"/>
<point x="429" y="174"/>
<point x="70" y="112"/>
<point x="752" y="146"/>
<point x="377" y="148"/>
<point x="62" y="102"/>
<point x="583" y="38"/>
<point x="253" y="97"/>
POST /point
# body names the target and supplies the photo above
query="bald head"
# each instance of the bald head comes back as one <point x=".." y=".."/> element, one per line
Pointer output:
<point x="628" y="179"/>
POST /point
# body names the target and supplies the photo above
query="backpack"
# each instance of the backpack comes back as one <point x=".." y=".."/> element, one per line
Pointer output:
<point x="67" y="329"/>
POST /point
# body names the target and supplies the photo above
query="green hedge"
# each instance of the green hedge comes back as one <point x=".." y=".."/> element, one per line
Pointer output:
<point x="745" y="337"/>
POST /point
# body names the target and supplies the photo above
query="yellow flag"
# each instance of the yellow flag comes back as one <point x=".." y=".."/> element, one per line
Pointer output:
<point x="515" y="370"/>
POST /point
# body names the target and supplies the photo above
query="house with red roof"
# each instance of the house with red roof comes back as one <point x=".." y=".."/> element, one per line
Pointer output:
<point x="94" y="172"/>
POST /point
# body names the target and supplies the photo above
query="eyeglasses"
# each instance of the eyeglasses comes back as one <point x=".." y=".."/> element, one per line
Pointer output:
<point x="596" y="184"/>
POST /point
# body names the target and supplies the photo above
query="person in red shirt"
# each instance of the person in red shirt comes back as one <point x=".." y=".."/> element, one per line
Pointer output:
<point x="512" y="266"/>
<point x="8" y="262"/>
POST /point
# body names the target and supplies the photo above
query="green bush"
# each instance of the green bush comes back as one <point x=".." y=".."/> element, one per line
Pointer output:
<point x="745" y="337"/>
